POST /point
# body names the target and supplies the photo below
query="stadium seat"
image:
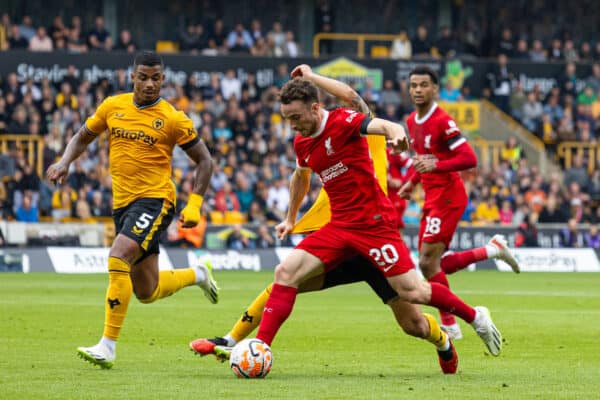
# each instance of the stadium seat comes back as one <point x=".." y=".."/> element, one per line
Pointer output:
<point x="217" y="217"/>
<point x="167" y="46"/>
<point x="234" y="217"/>
<point x="380" y="51"/>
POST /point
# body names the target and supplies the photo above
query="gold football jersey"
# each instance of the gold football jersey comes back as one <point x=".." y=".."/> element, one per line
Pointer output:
<point x="141" y="141"/>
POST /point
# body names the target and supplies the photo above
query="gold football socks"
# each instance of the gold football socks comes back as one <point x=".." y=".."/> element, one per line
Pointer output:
<point x="251" y="317"/>
<point x="436" y="336"/>
<point x="170" y="282"/>
<point x="118" y="295"/>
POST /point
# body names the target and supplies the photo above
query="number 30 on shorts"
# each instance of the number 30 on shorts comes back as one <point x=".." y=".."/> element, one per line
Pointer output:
<point x="386" y="255"/>
<point x="432" y="225"/>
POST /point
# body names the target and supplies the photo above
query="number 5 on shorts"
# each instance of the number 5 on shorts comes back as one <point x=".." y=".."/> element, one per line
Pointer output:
<point x="144" y="220"/>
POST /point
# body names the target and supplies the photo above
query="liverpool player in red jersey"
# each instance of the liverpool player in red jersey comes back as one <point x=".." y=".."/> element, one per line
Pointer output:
<point x="356" y="269"/>
<point x="363" y="221"/>
<point x="441" y="153"/>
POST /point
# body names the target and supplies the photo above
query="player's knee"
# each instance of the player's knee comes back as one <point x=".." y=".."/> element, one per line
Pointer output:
<point x="284" y="275"/>
<point x="427" y="264"/>
<point x="415" y="295"/>
<point x="425" y="260"/>
<point x="145" y="295"/>
<point x="126" y="249"/>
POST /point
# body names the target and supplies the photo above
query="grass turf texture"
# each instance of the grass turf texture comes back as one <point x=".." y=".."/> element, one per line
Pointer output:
<point x="338" y="344"/>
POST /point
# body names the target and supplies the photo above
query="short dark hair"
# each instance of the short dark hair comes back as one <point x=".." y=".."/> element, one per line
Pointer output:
<point x="424" y="70"/>
<point x="299" y="89"/>
<point x="148" y="58"/>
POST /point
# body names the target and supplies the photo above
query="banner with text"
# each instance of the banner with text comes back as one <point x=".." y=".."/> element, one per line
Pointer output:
<point x="82" y="260"/>
<point x="554" y="260"/>
<point x="179" y="68"/>
<point x="71" y="260"/>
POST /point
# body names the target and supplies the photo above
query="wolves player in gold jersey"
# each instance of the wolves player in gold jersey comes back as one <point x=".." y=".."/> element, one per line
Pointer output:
<point x="143" y="130"/>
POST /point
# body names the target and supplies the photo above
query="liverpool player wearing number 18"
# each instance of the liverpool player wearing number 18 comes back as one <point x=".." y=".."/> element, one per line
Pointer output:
<point x="441" y="153"/>
<point x="363" y="222"/>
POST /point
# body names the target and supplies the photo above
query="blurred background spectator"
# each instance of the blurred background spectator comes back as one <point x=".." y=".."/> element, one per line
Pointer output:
<point x="526" y="235"/>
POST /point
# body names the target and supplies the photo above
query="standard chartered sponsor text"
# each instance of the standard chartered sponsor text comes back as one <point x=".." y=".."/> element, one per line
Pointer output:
<point x="333" y="171"/>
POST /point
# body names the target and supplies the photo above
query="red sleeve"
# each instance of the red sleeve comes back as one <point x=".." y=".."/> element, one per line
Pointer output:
<point x="463" y="157"/>
<point x="449" y="127"/>
<point x="406" y="161"/>
<point x="353" y="119"/>
<point x="410" y="170"/>
<point x="413" y="176"/>
<point x="397" y="161"/>
<point x="300" y="163"/>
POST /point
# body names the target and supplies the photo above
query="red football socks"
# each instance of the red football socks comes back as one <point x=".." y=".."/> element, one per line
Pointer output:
<point x="443" y="299"/>
<point x="456" y="261"/>
<point x="446" y="317"/>
<point x="277" y="310"/>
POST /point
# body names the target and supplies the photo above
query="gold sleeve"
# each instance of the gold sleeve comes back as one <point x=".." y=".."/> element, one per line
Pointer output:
<point x="96" y="124"/>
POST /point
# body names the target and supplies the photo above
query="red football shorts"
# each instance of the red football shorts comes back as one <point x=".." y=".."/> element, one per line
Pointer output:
<point x="381" y="244"/>
<point x="439" y="224"/>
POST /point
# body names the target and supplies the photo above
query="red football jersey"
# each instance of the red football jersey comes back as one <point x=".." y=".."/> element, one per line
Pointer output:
<point x="430" y="135"/>
<point x="339" y="154"/>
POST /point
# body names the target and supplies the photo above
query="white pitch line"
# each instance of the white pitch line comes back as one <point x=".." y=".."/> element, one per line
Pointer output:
<point x="527" y="293"/>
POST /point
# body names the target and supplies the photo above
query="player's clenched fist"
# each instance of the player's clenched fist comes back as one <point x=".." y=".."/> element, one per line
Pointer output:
<point x="57" y="172"/>
<point x="302" y="70"/>
<point x="398" y="144"/>
<point x="190" y="215"/>
<point x="283" y="229"/>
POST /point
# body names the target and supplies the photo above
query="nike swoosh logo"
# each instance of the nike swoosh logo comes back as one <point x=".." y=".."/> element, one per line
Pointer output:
<point x="388" y="268"/>
<point x="427" y="235"/>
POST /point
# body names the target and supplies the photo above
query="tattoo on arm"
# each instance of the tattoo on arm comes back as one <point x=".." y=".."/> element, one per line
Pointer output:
<point x="359" y="105"/>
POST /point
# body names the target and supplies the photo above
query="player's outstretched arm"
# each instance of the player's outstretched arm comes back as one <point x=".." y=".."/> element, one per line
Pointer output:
<point x="395" y="133"/>
<point x="190" y="215"/>
<point x="76" y="146"/>
<point x="338" y="89"/>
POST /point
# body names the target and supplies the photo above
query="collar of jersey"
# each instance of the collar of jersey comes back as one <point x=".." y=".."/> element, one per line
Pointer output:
<point x="147" y="105"/>
<point x="426" y="117"/>
<point x="325" y="114"/>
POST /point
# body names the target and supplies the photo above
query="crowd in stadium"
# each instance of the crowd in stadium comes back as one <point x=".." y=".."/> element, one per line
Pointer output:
<point x="195" y="38"/>
<point x="482" y="30"/>
<point x="251" y="144"/>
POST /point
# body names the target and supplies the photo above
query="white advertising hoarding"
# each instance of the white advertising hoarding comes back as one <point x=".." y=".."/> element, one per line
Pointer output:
<point x="85" y="260"/>
<point x="553" y="260"/>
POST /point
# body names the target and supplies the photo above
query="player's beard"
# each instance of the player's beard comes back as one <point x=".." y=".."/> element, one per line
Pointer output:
<point x="148" y="97"/>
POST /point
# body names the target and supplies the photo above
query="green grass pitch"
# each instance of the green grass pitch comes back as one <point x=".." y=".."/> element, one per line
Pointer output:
<point x="338" y="344"/>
